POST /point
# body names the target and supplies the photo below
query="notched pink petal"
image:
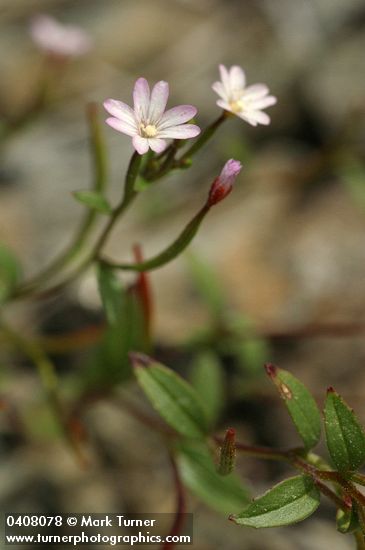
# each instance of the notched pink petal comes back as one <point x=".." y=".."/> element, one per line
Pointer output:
<point x="177" y="115"/>
<point x="157" y="145"/>
<point x="141" y="98"/>
<point x="140" y="144"/>
<point x="185" y="131"/>
<point x="159" y="97"/>
<point x="121" y="126"/>
<point x="120" y="110"/>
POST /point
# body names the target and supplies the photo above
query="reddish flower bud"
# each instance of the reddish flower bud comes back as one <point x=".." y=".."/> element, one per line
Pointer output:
<point x="227" y="453"/>
<point x="222" y="185"/>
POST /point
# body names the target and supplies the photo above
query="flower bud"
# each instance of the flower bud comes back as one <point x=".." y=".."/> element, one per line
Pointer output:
<point x="223" y="184"/>
<point x="227" y="453"/>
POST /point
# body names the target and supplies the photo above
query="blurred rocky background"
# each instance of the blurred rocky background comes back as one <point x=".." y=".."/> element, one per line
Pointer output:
<point x="287" y="246"/>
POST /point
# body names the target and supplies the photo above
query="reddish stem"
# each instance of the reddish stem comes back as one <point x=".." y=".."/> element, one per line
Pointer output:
<point x="178" y="523"/>
<point x="143" y="289"/>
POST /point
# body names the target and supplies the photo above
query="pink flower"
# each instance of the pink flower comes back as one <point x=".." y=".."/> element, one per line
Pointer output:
<point x="245" y="102"/>
<point x="223" y="184"/>
<point x="57" y="39"/>
<point x="149" y="124"/>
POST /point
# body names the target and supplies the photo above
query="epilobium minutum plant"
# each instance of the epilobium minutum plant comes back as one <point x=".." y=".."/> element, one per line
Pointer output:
<point x="202" y="461"/>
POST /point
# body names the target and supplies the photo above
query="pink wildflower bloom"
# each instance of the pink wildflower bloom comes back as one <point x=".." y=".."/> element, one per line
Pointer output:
<point x="57" y="39"/>
<point x="245" y="102"/>
<point x="223" y="184"/>
<point x="148" y="123"/>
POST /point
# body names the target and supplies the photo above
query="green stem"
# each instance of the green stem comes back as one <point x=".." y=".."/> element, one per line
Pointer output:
<point x="129" y="196"/>
<point x="161" y="165"/>
<point x="98" y="152"/>
<point x="171" y="251"/>
<point x="297" y="462"/>
<point x="201" y="141"/>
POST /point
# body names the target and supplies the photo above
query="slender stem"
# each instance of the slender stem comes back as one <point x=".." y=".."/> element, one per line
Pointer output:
<point x="129" y="196"/>
<point x="259" y="451"/>
<point x="201" y="141"/>
<point x="143" y="290"/>
<point x="317" y="475"/>
<point x="165" y="166"/>
<point x="180" y="506"/>
<point x="98" y="151"/>
<point x="171" y="251"/>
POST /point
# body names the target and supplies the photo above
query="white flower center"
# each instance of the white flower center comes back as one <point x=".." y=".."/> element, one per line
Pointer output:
<point x="237" y="105"/>
<point x="148" y="131"/>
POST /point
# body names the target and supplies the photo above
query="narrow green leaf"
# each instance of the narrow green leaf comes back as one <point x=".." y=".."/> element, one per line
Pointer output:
<point x="288" y="502"/>
<point x="174" y="399"/>
<point x="126" y="331"/>
<point x="208" y="380"/>
<point x="344" y="434"/>
<point x="300" y="404"/>
<point x="10" y="272"/>
<point x="198" y="473"/>
<point x="111" y="293"/>
<point x="93" y="200"/>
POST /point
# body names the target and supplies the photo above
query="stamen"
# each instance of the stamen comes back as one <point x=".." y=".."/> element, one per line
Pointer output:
<point x="237" y="106"/>
<point x="148" y="131"/>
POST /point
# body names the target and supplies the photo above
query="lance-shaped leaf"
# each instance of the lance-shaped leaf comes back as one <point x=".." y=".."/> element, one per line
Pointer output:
<point x="344" y="434"/>
<point x="199" y="474"/>
<point x="300" y="404"/>
<point x="288" y="502"/>
<point x="93" y="200"/>
<point x="173" y="398"/>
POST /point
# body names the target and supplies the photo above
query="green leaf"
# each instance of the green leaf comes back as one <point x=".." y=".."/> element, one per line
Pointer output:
<point x="199" y="474"/>
<point x="93" y="200"/>
<point x="174" y="399"/>
<point x="10" y="272"/>
<point x="208" y="380"/>
<point x="347" y="521"/>
<point x="300" y="404"/>
<point x="126" y="330"/>
<point x="344" y="434"/>
<point x="111" y="293"/>
<point x="288" y="502"/>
